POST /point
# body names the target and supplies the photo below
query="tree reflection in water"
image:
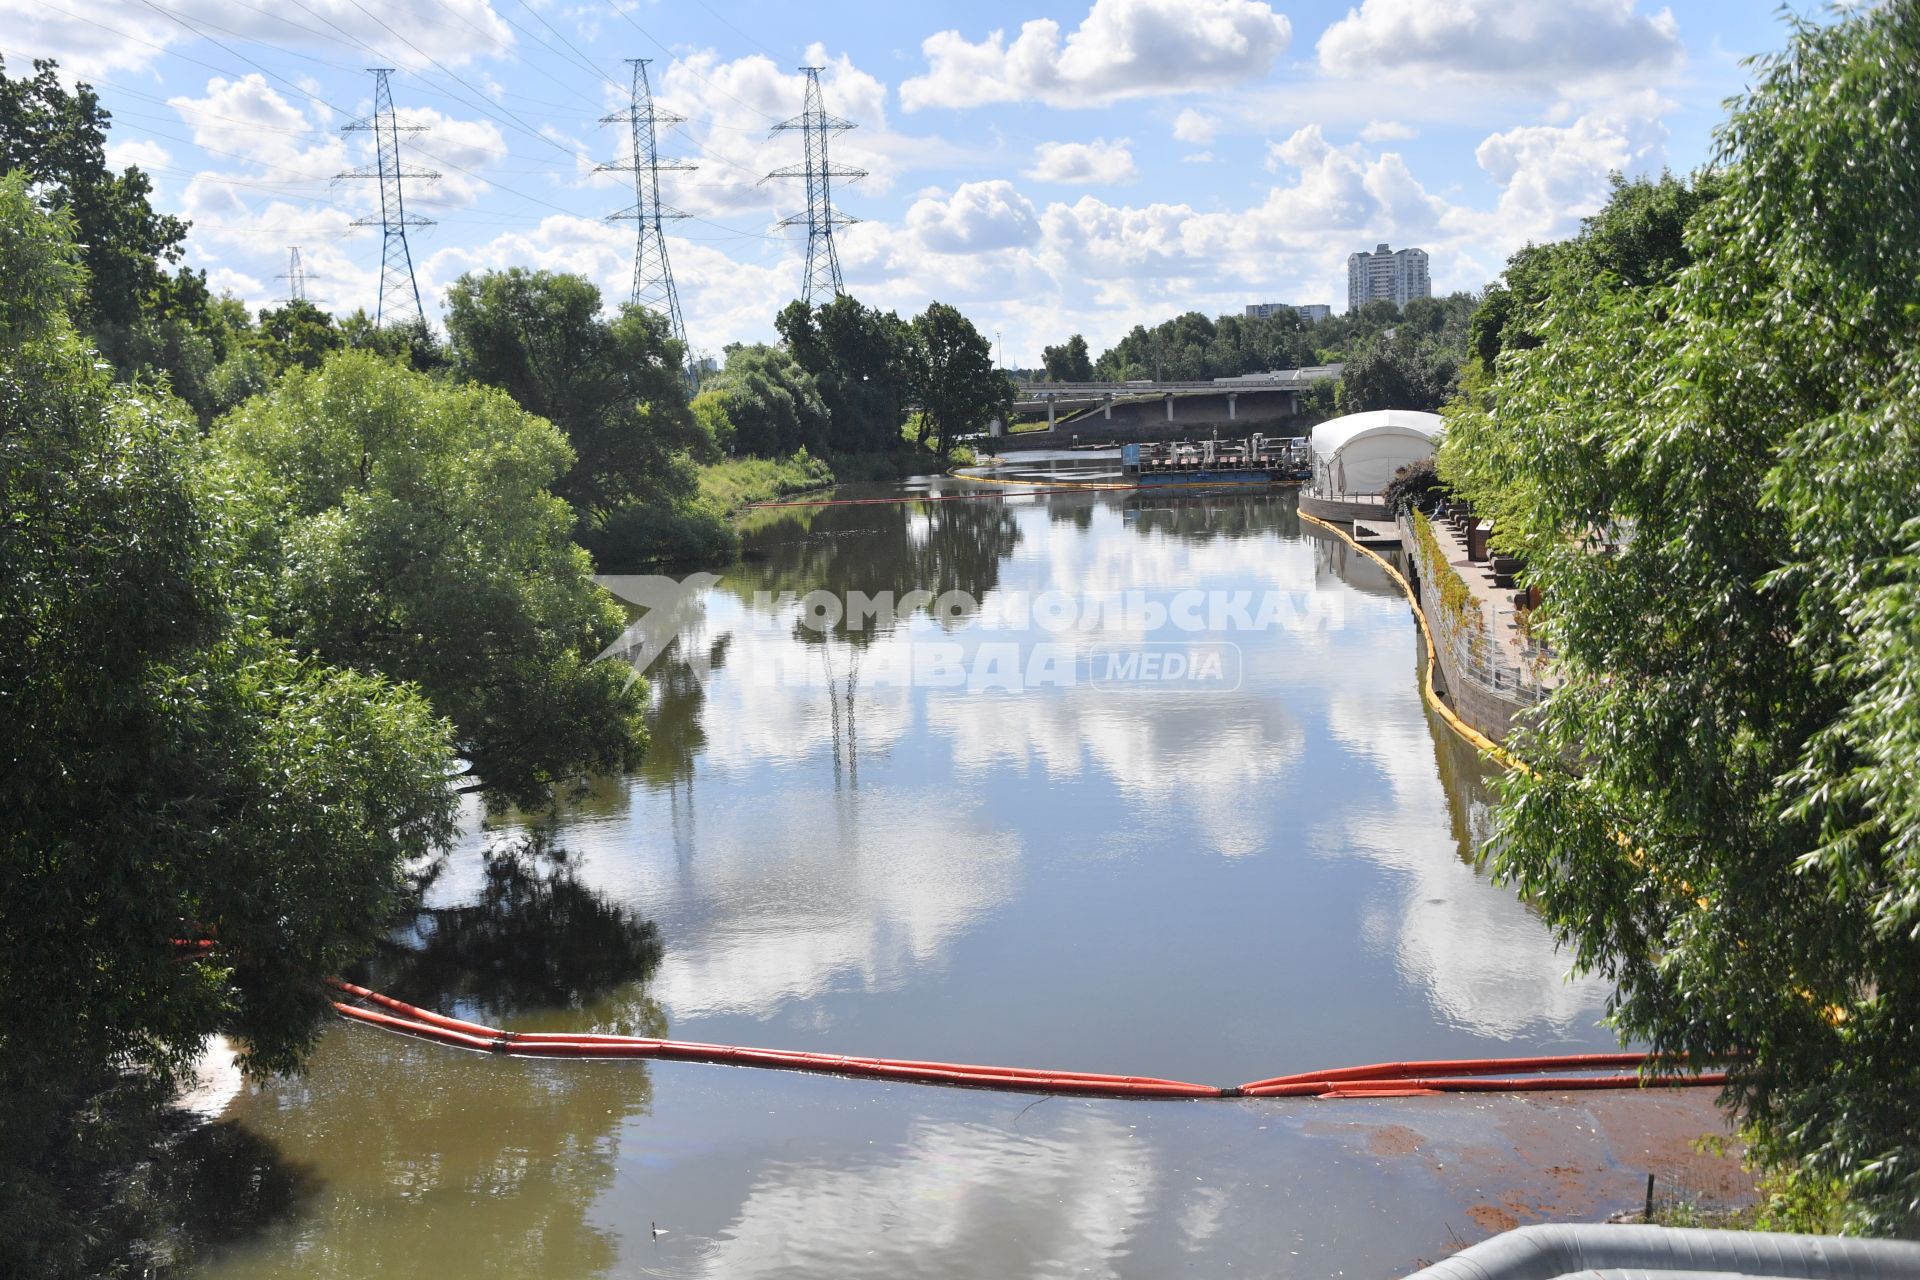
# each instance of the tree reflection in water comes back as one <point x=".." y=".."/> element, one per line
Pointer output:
<point x="434" y="1162"/>
<point x="534" y="940"/>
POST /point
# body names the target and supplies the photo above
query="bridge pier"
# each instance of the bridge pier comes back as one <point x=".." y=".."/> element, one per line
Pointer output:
<point x="1050" y="412"/>
<point x="1233" y="403"/>
<point x="1106" y="408"/>
<point x="1169" y="406"/>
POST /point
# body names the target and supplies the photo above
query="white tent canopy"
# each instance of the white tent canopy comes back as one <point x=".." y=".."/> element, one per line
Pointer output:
<point x="1359" y="453"/>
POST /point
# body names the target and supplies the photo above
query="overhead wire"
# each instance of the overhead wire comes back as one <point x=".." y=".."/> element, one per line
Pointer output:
<point x="346" y="38"/>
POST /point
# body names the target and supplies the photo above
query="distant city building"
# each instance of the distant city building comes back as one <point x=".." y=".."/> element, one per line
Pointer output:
<point x="1387" y="276"/>
<point x="1312" y="312"/>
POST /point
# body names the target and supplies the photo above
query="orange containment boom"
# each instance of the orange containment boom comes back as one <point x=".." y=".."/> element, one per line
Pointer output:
<point x="1390" y="1079"/>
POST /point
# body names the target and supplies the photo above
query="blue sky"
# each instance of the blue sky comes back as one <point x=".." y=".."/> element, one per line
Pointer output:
<point x="1046" y="168"/>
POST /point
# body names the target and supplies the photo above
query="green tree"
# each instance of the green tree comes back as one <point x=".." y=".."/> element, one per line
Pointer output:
<point x="60" y="139"/>
<point x="410" y="342"/>
<point x="1637" y="238"/>
<point x="1068" y="362"/>
<point x="1406" y="371"/>
<point x="1716" y="480"/>
<point x="1192" y="347"/>
<point x="861" y="360"/>
<point x="771" y="403"/>
<point x="614" y="388"/>
<point x="407" y="529"/>
<point x="297" y="333"/>
<point x="168" y="768"/>
<point x="144" y="318"/>
<point x="954" y="378"/>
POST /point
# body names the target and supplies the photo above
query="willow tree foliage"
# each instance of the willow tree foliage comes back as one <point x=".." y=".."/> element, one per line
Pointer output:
<point x="1716" y="479"/>
<point x="406" y="527"/>
<point x="168" y="768"/>
<point x="615" y="388"/>
<point x="769" y="404"/>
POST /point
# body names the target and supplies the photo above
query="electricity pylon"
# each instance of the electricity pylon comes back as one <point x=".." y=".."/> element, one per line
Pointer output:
<point x="823" y="263"/>
<point x="399" y="293"/>
<point x="295" y="275"/>
<point x="652" y="273"/>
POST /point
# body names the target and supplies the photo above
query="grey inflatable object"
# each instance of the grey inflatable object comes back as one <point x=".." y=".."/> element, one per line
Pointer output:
<point x="1567" y="1251"/>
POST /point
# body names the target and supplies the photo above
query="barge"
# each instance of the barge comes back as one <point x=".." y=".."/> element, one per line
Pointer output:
<point x="1254" y="461"/>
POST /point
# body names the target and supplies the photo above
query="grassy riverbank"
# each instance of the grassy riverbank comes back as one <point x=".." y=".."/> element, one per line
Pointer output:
<point x="726" y="487"/>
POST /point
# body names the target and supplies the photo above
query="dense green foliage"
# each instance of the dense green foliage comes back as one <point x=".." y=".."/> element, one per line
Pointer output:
<point x="614" y="388"/>
<point x="405" y="525"/>
<point x="1638" y="238"/>
<point x="870" y="368"/>
<point x="1711" y="461"/>
<point x="1193" y="348"/>
<point x="171" y="769"/>
<point x="1394" y="359"/>
<point x="764" y="405"/>
<point x="861" y="359"/>
<point x="1068" y="362"/>
<point x="1412" y="364"/>
<point x="59" y="139"/>
<point x="954" y="379"/>
<point x="617" y="391"/>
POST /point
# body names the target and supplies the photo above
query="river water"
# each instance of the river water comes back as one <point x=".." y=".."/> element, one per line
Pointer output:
<point x="1257" y="864"/>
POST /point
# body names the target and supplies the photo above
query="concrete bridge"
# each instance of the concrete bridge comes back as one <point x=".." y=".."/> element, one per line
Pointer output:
<point x="1277" y="395"/>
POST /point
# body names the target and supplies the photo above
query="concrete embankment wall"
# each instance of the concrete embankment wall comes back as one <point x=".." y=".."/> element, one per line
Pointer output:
<point x="1194" y="417"/>
<point x="1485" y="709"/>
<point x="1343" y="513"/>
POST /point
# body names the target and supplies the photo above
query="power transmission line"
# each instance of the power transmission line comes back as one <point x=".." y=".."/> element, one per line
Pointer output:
<point x="652" y="273"/>
<point x="823" y="262"/>
<point x="399" y="292"/>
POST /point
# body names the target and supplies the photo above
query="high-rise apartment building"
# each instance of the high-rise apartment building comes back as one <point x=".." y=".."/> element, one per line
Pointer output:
<point x="1387" y="275"/>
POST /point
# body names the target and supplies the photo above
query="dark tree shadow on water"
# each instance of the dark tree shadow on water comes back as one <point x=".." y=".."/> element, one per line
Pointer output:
<point x="126" y="1184"/>
<point x="217" y="1184"/>
<point x="536" y="938"/>
<point x="121" y="1182"/>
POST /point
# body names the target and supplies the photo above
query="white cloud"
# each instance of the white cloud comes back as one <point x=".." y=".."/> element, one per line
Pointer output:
<point x="1122" y="49"/>
<point x="1551" y="44"/>
<point x="247" y="119"/>
<point x="279" y="148"/>
<point x="1096" y="161"/>
<point x="92" y="37"/>
<point x="978" y="216"/>
<point x="1195" y="127"/>
<point x="1552" y="176"/>
<point x="139" y="152"/>
<point x="255" y="293"/>
<point x="1197" y="157"/>
<point x="1387" y="131"/>
<point x="457" y="149"/>
<point x="87" y="37"/>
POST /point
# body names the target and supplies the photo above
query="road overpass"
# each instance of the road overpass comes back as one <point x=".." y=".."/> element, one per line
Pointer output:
<point x="1085" y="411"/>
<point x="1051" y="398"/>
